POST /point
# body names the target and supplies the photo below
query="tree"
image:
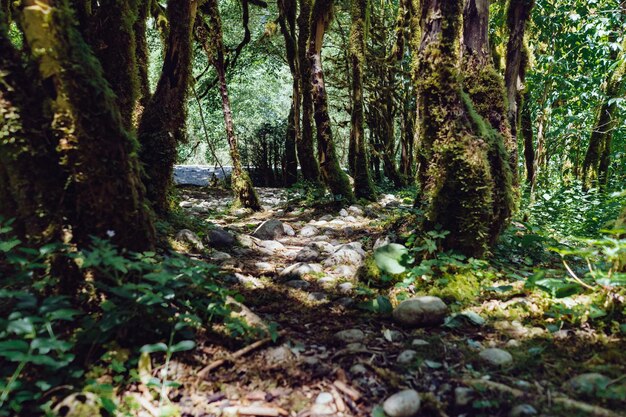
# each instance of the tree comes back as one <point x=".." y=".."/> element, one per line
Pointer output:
<point x="332" y="175"/>
<point x="245" y="195"/>
<point x="162" y="125"/>
<point x="363" y="185"/>
<point x="457" y="146"/>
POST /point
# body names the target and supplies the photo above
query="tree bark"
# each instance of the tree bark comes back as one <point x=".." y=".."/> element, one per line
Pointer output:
<point x="162" y="125"/>
<point x="363" y="185"/>
<point x="245" y="195"/>
<point x="332" y="175"/>
<point x="526" y="126"/>
<point x="305" y="147"/>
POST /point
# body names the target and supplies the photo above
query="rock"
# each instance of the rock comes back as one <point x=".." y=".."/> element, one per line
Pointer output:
<point x="242" y="211"/>
<point x="301" y="269"/>
<point x="350" y="219"/>
<point x="322" y="247"/>
<point x="324" y="398"/>
<point x="345" y="301"/>
<point x="326" y="281"/>
<point x="79" y="405"/>
<point x="496" y="357"/>
<point x="419" y="342"/>
<point x="393" y="335"/>
<point x="355" y="346"/>
<point x="406" y="357"/>
<point x="382" y="241"/>
<point x="345" y="287"/>
<point x="220" y="238"/>
<point x="185" y="204"/>
<point x="346" y="271"/>
<point x="523" y="410"/>
<point x="402" y="404"/>
<point x="421" y="311"/>
<point x="187" y="236"/>
<point x="358" y="369"/>
<point x="348" y="254"/>
<point x="270" y="247"/>
<point x="279" y="355"/>
<point x="307" y="254"/>
<point x="587" y="383"/>
<point x="355" y="211"/>
<point x="350" y="335"/>
<point x="218" y="256"/>
<point x="242" y="312"/>
<point x="318" y="296"/>
<point x="298" y="284"/>
<point x="269" y="230"/>
<point x="246" y="241"/>
<point x="343" y="212"/>
<point x="463" y="396"/>
<point x="309" y="231"/>
<point x="288" y="230"/>
<point x="326" y="218"/>
<point x="264" y="266"/>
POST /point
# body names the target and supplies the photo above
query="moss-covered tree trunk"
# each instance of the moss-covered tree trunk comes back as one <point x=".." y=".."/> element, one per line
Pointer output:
<point x="305" y="146"/>
<point x="287" y="21"/>
<point x="244" y="192"/>
<point x="518" y="15"/>
<point x="162" y="125"/>
<point x="103" y="195"/>
<point x="332" y="175"/>
<point x="526" y="127"/>
<point x="485" y="89"/>
<point x="142" y="56"/>
<point x="363" y="185"/>
<point x="597" y="158"/>
<point x="456" y="144"/>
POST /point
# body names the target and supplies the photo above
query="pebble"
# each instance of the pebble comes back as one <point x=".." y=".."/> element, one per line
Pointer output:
<point x="420" y="311"/>
<point x="298" y="284"/>
<point x="309" y="231"/>
<point x="358" y="369"/>
<point x="522" y="410"/>
<point x="345" y="287"/>
<point x="587" y="383"/>
<point x="406" y="357"/>
<point x="324" y="398"/>
<point x="419" y="342"/>
<point x="402" y="404"/>
<point x="318" y="296"/>
<point x="496" y="357"/>
<point x="350" y="335"/>
<point x="463" y="396"/>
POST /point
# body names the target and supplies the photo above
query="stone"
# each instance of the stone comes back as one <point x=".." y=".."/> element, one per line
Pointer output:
<point x="348" y="254"/>
<point x="343" y="212"/>
<point x="587" y="383"/>
<point x="288" y="230"/>
<point x="324" y="398"/>
<point x="350" y="335"/>
<point x="270" y="247"/>
<point x="279" y="355"/>
<point x="185" y="204"/>
<point x="269" y="230"/>
<point x="322" y="247"/>
<point x="402" y="404"/>
<point x="463" y="396"/>
<point x="307" y="254"/>
<point x="356" y="211"/>
<point x="326" y="281"/>
<point x="350" y="219"/>
<point x="522" y="410"/>
<point x="496" y="357"/>
<point x="358" y="369"/>
<point x="246" y="241"/>
<point x="318" y="296"/>
<point x="345" y="287"/>
<point x="264" y="266"/>
<point x="346" y="271"/>
<point x="326" y="218"/>
<point x="218" y="256"/>
<point x="220" y="238"/>
<point x="419" y="342"/>
<point x="187" y="236"/>
<point x="421" y="311"/>
<point x="406" y="357"/>
<point x="382" y="241"/>
<point x="301" y="269"/>
<point x="242" y="312"/>
<point x="393" y="335"/>
<point x="345" y="301"/>
<point x="298" y="284"/>
<point x="309" y="231"/>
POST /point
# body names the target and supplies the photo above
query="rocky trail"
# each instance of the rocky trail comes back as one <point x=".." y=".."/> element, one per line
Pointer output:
<point x="297" y="271"/>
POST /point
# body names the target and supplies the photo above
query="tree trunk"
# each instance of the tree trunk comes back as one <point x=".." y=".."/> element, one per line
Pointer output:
<point x="363" y="185"/>
<point x="332" y="175"/>
<point x="485" y="89"/>
<point x="457" y="149"/>
<point x="103" y="194"/>
<point x="306" y="152"/>
<point x="287" y="21"/>
<point x="162" y="125"/>
<point x="526" y="126"/>
<point x="518" y="15"/>
<point x="141" y="47"/>
<point x="244" y="192"/>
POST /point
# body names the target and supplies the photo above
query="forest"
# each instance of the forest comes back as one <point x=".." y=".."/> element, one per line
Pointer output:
<point x="305" y="208"/>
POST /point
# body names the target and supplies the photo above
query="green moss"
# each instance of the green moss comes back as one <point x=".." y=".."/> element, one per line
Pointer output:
<point x="369" y="273"/>
<point x="463" y="288"/>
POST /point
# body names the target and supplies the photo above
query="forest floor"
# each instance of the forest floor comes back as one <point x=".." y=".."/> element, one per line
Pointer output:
<point x="337" y="350"/>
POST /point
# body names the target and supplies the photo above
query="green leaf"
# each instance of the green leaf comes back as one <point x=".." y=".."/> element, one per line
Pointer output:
<point x="157" y="347"/>
<point x="391" y="258"/>
<point x="183" y="345"/>
<point x="7" y="245"/>
<point x="18" y="345"/>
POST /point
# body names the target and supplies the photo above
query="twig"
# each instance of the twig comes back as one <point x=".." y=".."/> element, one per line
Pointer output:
<point x="258" y="411"/>
<point x="580" y="281"/>
<point x="203" y="373"/>
<point x="349" y="391"/>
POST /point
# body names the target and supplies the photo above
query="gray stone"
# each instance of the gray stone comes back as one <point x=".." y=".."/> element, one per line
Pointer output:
<point x="587" y="383"/>
<point x="420" y="311"/>
<point x="185" y="204"/>
<point x="345" y="287"/>
<point x="218" y="256"/>
<point x="309" y="231"/>
<point x="419" y="342"/>
<point x="350" y="219"/>
<point x="350" y="335"/>
<point x="187" y="236"/>
<point x="345" y="301"/>
<point x="358" y="369"/>
<point x="463" y="396"/>
<point x="270" y="247"/>
<point x="269" y="230"/>
<point x="343" y="212"/>
<point x="326" y="218"/>
<point x="355" y="211"/>
<point x="298" y="284"/>
<point x="346" y="271"/>
<point x="496" y="357"/>
<point x="382" y="241"/>
<point x="288" y="230"/>
<point x="318" y="296"/>
<point x="402" y="404"/>
<point x="406" y="357"/>
<point x="393" y="335"/>
<point x="348" y="254"/>
<point x="326" y="281"/>
<point x="322" y="247"/>
<point x="523" y="410"/>
<point x="264" y="266"/>
<point x="301" y="269"/>
<point x="307" y="254"/>
<point x="324" y="398"/>
<point x="220" y="238"/>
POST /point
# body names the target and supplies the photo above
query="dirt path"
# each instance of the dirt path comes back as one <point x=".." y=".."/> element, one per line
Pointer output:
<point x="296" y="270"/>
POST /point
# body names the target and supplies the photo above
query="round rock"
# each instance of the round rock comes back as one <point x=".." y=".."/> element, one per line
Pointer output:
<point x="402" y="404"/>
<point x="421" y="311"/>
<point x="523" y="410"/>
<point x="406" y="357"/>
<point x="350" y="335"/>
<point x="496" y="357"/>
